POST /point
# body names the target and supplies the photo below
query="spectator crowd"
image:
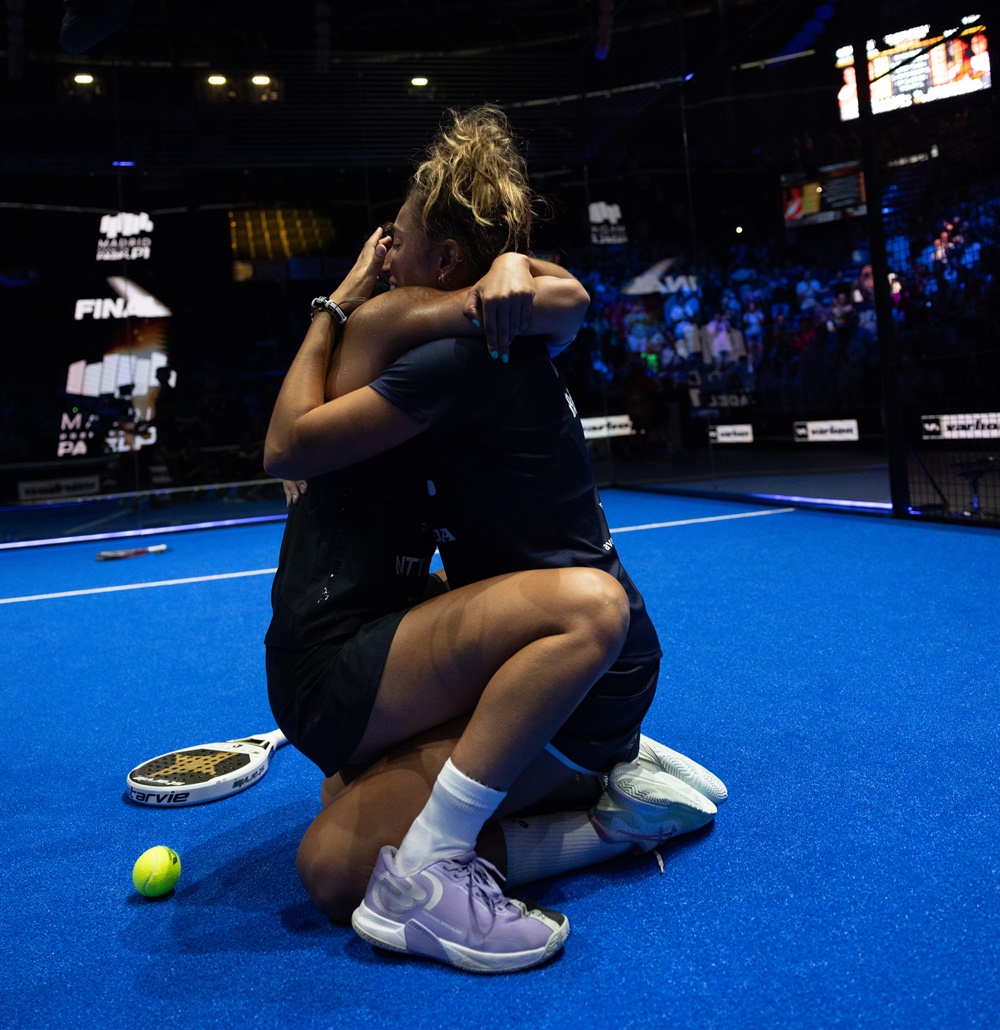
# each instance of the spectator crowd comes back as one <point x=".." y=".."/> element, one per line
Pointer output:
<point x="674" y="341"/>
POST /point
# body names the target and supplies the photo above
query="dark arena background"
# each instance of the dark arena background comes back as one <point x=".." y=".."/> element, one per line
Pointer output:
<point x="789" y="378"/>
<point x="755" y="329"/>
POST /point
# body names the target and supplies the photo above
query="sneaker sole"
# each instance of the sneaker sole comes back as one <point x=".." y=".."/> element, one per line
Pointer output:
<point x="412" y="938"/>
<point x="693" y="774"/>
<point x="649" y="808"/>
<point x="656" y="791"/>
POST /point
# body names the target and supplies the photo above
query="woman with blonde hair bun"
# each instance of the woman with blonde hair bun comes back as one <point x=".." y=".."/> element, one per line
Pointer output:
<point x="436" y="709"/>
<point x="474" y="183"/>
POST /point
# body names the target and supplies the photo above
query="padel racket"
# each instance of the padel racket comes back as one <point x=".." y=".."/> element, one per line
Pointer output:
<point x="129" y="552"/>
<point x="193" y="775"/>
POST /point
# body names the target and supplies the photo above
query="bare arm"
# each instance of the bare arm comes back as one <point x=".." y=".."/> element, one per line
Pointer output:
<point x="310" y="434"/>
<point x="302" y="390"/>
<point x="518" y="296"/>
<point x="339" y="433"/>
<point x="387" y="327"/>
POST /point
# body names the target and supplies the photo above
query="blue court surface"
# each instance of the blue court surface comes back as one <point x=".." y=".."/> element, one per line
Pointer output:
<point x="839" y="672"/>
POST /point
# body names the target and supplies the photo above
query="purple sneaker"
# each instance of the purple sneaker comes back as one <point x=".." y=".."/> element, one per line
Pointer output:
<point x="453" y="911"/>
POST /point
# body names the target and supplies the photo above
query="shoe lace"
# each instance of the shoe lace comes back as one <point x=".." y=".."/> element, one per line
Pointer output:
<point x="480" y="877"/>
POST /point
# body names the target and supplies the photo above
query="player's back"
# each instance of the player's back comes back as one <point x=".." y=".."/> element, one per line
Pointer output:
<point x="512" y="487"/>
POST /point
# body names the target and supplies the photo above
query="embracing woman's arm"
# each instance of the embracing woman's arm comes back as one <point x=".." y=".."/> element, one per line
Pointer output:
<point x="303" y="388"/>
<point x="519" y="296"/>
<point x="324" y="420"/>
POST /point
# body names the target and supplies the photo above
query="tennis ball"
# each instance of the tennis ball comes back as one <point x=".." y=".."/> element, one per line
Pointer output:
<point x="156" y="871"/>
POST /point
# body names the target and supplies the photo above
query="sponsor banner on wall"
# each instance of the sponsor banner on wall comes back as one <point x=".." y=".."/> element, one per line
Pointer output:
<point x="606" y="225"/>
<point x="979" y="425"/>
<point x="111" y="402"/>
<point x="826" y="431"/>
<point x="730" y="434"/>
<point x="125" y="237"/>
<point x="657" y="280"/>
<point x="603" y="426"/>
<point x="53" y="489"/>
<point x="147" y="290"/>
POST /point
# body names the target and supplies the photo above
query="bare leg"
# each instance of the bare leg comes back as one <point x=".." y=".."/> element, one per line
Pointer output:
<point x="528" y="646"/>
<point x="546" y="811"/>
<point x="330" y="788"/>
<point x="580" y="619"/>
<point x="520" y="650"/>
<point x="338" y="851"/>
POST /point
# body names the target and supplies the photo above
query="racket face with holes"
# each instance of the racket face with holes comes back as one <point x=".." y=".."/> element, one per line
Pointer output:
<point x="207" y="772"/>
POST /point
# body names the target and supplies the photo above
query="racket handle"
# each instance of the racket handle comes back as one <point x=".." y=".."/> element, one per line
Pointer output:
<point x="275" y="737"/>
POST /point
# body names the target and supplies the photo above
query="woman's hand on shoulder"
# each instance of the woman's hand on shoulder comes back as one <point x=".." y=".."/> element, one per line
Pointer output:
<point x="501" y="303"/>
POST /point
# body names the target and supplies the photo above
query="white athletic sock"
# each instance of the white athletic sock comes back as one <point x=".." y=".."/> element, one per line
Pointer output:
<point x="450" y="821"/>
<point x="546" y="845"/>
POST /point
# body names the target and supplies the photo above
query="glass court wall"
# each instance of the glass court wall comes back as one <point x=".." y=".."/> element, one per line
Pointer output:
<point x="753" y="331"/>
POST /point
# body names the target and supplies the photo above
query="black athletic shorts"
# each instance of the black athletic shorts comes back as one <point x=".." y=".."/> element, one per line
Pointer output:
<point x="604" y="728"/>
<point x="321" y="697"/>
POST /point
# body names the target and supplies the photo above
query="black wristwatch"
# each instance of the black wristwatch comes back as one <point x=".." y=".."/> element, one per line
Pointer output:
<point x="332" y="308"/>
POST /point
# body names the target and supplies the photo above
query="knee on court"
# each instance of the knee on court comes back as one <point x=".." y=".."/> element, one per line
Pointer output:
<point x="329" y="884"/>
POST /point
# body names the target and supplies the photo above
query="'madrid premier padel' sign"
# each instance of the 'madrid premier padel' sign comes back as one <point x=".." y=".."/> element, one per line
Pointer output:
<point x="111" y="401"/>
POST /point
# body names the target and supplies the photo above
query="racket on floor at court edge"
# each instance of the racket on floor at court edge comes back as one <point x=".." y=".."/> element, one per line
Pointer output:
<point x="206" y="772"/>
<point x="129" y="552"/>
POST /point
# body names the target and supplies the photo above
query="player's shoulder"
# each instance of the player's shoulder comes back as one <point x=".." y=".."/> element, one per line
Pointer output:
<point x="448" y="350"/>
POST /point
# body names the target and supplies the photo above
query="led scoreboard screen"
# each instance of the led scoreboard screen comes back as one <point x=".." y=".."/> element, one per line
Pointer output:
<point x="918" y="66"/>
<point x="830" y="194"/>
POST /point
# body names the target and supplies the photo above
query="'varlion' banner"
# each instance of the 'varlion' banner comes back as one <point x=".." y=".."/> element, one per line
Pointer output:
<point x="829" y="431"/>
<point x="980" y="425"/>
<point x="601" y="427"/>
<point x="52" y="489"/>
<point x="730" y="434"/>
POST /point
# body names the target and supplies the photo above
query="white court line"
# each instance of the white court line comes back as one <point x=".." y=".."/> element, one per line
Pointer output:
<point x="270" y="572"/>
<point x="139" y="586"/>
<point x="710" y="518"/>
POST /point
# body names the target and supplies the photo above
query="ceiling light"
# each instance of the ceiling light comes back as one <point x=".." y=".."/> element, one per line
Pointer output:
<point x="261" y="80"/>
<point x="418" y="80"/>
<point x="83" y="79"/>
<point x="217" y="80"/>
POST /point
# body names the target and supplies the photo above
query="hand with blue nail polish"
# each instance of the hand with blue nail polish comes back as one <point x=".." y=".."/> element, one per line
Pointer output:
<point x="501" y="303"/>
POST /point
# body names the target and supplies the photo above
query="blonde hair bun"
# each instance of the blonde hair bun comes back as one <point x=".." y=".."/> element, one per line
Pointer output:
<point x="473" y="186"/>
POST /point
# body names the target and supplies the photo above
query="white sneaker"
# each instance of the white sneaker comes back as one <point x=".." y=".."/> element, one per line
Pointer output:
<point x="648" y="806"/>
<point x="654" y="755"/>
